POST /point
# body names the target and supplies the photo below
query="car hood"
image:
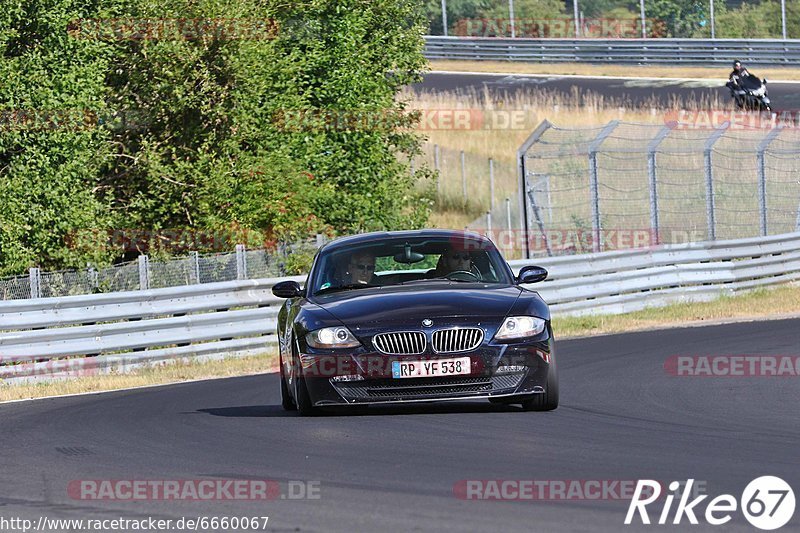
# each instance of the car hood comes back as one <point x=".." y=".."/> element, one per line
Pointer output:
<point x="398" y="305"/>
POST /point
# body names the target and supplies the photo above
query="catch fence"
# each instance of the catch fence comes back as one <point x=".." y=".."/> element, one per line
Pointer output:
<point x="624" y="185"/>
<point x="145" y="273"/>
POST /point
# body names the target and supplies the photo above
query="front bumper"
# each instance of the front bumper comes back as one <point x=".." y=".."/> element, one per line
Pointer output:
<point x="497" y="371"/>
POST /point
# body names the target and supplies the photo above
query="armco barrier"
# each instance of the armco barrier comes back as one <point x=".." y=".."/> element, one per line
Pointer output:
<point x="628" y="280"/>
<point x="49" y="337"/>
<point x="623" y="51"/>
<point x="80" y="334"/>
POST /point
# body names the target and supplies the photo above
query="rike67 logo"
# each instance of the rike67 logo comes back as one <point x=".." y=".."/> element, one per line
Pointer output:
<point x="767" y="503"/>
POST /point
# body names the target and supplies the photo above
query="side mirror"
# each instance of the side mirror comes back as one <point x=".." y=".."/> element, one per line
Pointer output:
<point x="764" y="81"/>
<point x="531" y="274"/>
<point x="287" y="289"/>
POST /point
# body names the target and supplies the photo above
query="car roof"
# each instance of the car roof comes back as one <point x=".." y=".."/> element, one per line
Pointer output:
<point x="378" y="236"/>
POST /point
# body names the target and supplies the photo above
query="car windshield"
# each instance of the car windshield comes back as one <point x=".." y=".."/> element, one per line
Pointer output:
<point x="404" y="261"/>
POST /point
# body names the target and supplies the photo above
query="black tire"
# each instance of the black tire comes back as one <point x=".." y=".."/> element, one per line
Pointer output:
<point x="303" y="399"/>
<point x="549" y="399"/>
<point x="287" y="402"/>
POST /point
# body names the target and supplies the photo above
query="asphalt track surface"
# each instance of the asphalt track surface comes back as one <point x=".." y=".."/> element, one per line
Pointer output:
<point x="784" y="96"/>
<point x="622" y="417"/>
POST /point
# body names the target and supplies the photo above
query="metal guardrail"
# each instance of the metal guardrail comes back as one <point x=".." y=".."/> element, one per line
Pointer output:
<point x="79" y="335"/>
<point x="629" y="280"/>
<point x="624" y="51"/>
<point x="54" y="337"/>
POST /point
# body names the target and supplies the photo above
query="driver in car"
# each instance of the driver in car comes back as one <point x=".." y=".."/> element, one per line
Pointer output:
<point x="454" y="260"/>
<point x="360" y="269"/>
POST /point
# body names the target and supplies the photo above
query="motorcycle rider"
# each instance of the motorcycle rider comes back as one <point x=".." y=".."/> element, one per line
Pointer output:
<point x="737" y="73"/>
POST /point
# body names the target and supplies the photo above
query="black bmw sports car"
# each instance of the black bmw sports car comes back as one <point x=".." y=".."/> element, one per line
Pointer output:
<point x="414" y="316"/>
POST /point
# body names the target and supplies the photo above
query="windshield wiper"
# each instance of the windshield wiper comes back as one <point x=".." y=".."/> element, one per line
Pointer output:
<point x="348" y="287"/>
<point x="439" y="279"/>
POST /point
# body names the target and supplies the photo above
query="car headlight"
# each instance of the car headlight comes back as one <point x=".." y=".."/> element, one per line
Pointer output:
<point x="519" y="327"/>
<point x="338" y="337"/>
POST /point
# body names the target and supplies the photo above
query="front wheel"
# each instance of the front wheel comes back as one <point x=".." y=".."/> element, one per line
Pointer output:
<point x="287" y="402"/>
<point x="549" y="399"/>
<point x="304" y="405"/>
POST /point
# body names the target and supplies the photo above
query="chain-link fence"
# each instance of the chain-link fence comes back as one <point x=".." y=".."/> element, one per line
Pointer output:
<point x="145" y="273"/>
<point x="628" y="185"/>
<point x="468" y="181"/>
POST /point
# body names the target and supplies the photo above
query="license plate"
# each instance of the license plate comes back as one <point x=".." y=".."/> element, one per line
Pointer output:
<point x="436" y="367"/>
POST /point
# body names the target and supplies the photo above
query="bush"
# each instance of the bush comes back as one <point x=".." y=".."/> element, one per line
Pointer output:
<point x="187" y="129"/>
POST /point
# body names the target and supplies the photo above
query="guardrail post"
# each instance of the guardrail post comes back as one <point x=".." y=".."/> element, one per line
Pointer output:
<point x="709" y="172"/>
<point x="762" y="177"/>
<point x="522" y="172"/>
<point x="196" y="265"/>
<point x="144" y="272"/>
<point x="594" y="183"/>
<point x="35" y="282"/>
<point x="655" y="226"/>
<point x="241" y="262"/>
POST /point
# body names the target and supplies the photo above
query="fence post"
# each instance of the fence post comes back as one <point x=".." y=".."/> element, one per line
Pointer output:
<point x="655" y="226"/>
<point x="144" y="272"/>
<point x="241" y="262"/>
<point x="35" y="282"/>
<point x="709" y="172"/>
<point x="491" y="183"/>
<point x="196" y="265"/>
<point x="444" y="17"/>
<point x="522" y="173"/>
<point x="508" y="224"/>
<point x="594" y="183"/>
<point x="92" y="277"/>
<point x="463" y="178"/>
<point x="437" y="165"/>
<point x="762" y="177"/>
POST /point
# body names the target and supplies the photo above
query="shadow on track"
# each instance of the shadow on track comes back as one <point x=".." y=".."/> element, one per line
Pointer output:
<point x="276" y="411"/>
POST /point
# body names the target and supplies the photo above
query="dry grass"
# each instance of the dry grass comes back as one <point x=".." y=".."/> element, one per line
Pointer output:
<point x="758" y="304"/>
<point x="498" y="127"/>
<point x="156" y="375"/>
<point x="582" y="69"/>
<point x="449" y="219"/>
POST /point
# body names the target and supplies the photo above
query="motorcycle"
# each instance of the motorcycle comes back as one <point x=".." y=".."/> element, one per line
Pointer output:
<point x="750" y="93"/>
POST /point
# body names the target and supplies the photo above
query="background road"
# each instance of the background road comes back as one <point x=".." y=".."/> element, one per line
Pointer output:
<point x="617" y="90"/>
<point x="622" y="417"/>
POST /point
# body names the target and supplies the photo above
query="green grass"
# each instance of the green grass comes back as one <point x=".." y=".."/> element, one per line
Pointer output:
<point x="757" y="304"/>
